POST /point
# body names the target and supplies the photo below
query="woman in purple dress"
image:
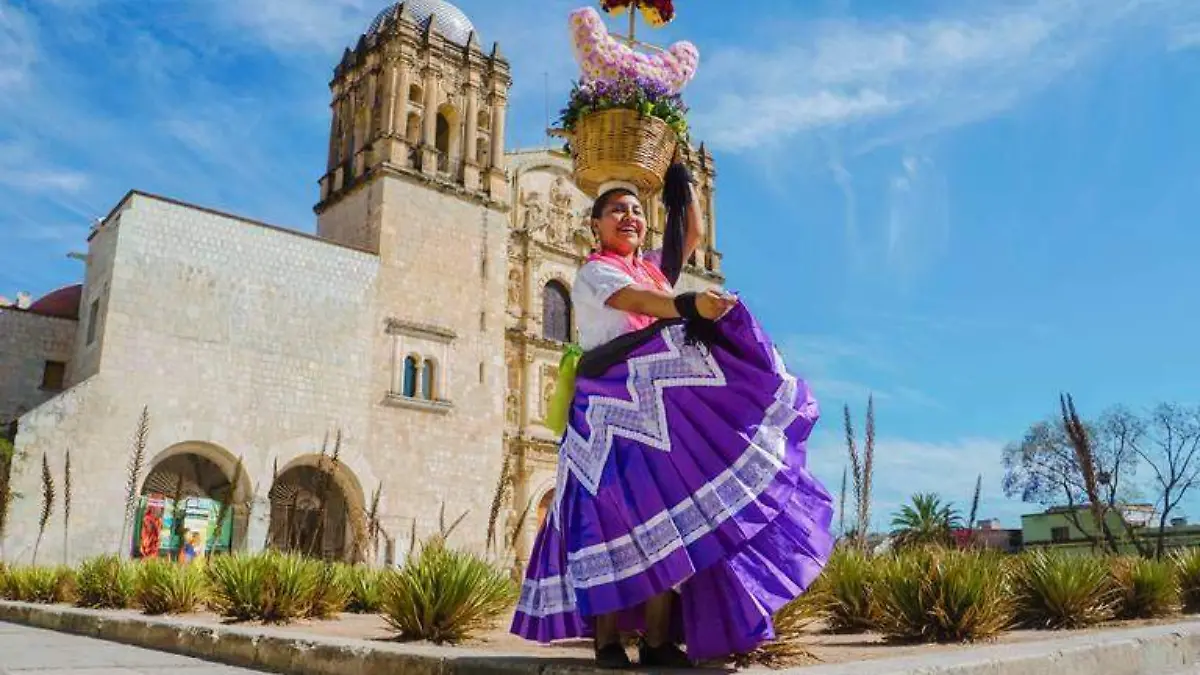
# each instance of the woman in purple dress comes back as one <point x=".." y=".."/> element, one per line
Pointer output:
<point x="683" y="508"/>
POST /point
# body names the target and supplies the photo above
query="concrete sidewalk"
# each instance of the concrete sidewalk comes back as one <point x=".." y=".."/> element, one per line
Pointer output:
<point x="1156" y="650"/>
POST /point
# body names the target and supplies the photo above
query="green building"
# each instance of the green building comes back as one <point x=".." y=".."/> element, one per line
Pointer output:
<point x="1072" y="528"/>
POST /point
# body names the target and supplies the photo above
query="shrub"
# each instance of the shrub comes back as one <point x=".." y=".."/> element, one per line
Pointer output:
<point x="106" y="582"/>
<point x="330" y="592"/>
<point x="1187" y="576"/>
<point x="791" y="626"/>
<point x="45" y="585"/>
<point x="272" y="587"/>
<point x="844" y="591"/>
<point x="166" y="587"/>
<point x="363" y="585"/>
<point x="237" y="584"/>
<point x="943" y="596"/>
<point x="444" y="595"/>
<point x="1146" y="589"/>
<point x="1056" y="590"/>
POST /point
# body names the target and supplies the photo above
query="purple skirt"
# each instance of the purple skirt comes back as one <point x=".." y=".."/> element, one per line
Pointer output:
<point x="682" y="467"/>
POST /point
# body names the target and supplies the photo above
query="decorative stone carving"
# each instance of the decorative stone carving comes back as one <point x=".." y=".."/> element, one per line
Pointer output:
<point x="512" y="399"/>
<point x="514" y="291"/>
<point x="536" y="212"/>
<point x="549" y="379"/>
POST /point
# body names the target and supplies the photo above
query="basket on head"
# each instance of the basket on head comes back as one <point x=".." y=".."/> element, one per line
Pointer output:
<point x="621" y="144"/>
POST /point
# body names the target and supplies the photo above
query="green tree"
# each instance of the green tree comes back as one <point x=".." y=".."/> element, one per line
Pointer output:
<point x="927" y="520"/>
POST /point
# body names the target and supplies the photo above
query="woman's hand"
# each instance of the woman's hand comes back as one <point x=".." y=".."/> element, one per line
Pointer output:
<point x="712" y="304"/>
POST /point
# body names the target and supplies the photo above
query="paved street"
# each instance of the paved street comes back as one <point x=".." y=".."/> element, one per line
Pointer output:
<point x="26" y="651"/>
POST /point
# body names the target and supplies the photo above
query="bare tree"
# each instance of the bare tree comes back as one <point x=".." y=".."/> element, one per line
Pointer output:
<point x="1066" y="461"/>
<point x="1172" y="449"/>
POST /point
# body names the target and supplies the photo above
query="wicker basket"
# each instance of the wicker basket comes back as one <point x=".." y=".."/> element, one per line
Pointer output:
<point x="621" y="144"/>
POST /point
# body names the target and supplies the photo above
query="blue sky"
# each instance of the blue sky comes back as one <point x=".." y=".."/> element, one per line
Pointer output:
<point x="964" y="207"/>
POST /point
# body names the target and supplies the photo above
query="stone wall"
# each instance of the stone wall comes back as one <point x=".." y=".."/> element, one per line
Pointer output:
<point x="27" y="342"/>
<point x="251" y="340"/>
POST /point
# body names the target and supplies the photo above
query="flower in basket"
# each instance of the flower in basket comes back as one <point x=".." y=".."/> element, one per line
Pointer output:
<point x="647" y="96"/>
<point x="604" y="57"/>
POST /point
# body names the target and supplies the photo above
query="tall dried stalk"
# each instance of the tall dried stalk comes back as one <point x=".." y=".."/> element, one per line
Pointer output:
<point x="862" y="469"/>
<point x="227" y="504"/>
<point x="1086" y="459"/>
<point x="327" y="466"/>
<point x="272" y="530"/>
<point x="842" y="507"/>
<point x="66" y="506"/>
<point x="503" y="485"/>
<point x="47" y="504"/>
<point x="974" y="509"/>
<point x="178" y="512"/>
<point x="137" y="458"/>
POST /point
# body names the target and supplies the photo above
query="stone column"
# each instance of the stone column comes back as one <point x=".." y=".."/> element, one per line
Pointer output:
<point x="429" y="135"/>
<point x="399" y="141"/>
<point x="397" y="366"/>
<point x="496" y="178"/>
<point x="470" y="166"/>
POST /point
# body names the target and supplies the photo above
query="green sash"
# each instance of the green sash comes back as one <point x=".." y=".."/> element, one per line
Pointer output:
<point x="564" y="390"/>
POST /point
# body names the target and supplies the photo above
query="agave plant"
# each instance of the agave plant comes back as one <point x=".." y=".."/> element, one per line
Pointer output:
<point x="926" y="521"/>
<point x="166" y="587"/>
<point x="238" y="583"/>
<point x="363" y="585"/>
<point x="1187" y="575"/>
<point x="1056" y="590"/>
<point x="444" y="595"/>
<point x="1146" y="589"/>
<point x="106" y="582"/>
<point x="843" y="591"/>
<point x="929" y="595"/>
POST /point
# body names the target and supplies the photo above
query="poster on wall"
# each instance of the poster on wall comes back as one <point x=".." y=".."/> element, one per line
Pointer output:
<point x="156" y="534"/>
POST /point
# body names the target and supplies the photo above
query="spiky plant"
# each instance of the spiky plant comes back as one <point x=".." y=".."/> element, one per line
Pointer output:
<point x="66" y="506"/>
<point x="133" y="475"/>
<point x="1146" y="588"/>
<point x="844" y="589"/>
<point x="330" y="593"/>
<point x="8" y="457"/>
<point x="238" y="585"/>
<point x="363" y="584"/>
<point x="47" y="504"/>
<point x="792" y="624"/>
<point x="1056" y="590"/>
<point x="842" y="507"/>
<point x="1187" y="575"/>
<point x="444" y="596"/>
<point x="106" y="582"/>
<point x="164" y="587"/>
<point x="940" y="595"/>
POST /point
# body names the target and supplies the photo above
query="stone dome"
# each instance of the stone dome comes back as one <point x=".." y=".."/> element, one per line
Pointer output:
<point x="450" y="20"/>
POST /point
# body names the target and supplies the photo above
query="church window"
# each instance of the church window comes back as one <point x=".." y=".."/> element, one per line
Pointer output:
<point x="54" y="376"/>
<point x="410" y="377"/>
<point x="556" y="312"/>
<point x="93" y="320"/>
<point x="428" y="379"/>
<point x="412" y="128"/>
<point x="414" y="93"/>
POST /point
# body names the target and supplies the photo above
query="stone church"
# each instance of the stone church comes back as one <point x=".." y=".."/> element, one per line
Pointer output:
<point x="416" y="334"/>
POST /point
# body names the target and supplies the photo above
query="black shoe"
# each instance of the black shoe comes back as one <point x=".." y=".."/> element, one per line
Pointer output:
<point x="664" y="656"/>
<point x="612" y="657"/>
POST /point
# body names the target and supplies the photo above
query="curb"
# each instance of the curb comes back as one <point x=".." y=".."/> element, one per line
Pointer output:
<point x="279" y="651"/>
<point x="1154" y="650"/>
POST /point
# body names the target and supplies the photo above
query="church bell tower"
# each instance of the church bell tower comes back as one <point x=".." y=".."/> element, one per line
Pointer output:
<point x="415" y="98"/>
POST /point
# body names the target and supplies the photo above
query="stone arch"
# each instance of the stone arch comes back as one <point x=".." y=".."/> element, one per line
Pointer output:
<point x="483" y="150"/>
<point x="416" y="94"/>
<point x="316" y="509"/>
<point x="189" y="489"/>
<point x="412" y="368"/>
<point x="557" y="311"/>
<point x="448" y="136"/>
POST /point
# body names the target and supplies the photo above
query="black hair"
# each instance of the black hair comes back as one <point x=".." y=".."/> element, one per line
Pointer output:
<point x="603" y="199"/>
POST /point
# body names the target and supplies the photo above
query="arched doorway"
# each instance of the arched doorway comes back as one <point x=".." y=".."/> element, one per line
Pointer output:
<point x="316" y="506"/>
<point x="194" y="502"/>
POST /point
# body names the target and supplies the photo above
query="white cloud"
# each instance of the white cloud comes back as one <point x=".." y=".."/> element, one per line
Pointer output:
<point x="842" y="370"/>
<point x="886" y="81"/>
<point x="326" y="26"/>
<point x="904" y="467"/>
<point x="18" y="48"/>
<point x="1184" y="37"/>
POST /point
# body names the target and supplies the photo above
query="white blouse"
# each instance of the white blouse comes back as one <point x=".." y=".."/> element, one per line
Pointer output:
<point x="595" y="283"/>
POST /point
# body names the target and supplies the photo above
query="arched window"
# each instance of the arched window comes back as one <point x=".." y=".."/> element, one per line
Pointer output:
<point x="414" y="93"/>
<point x="442" y="138"/>
<point x="556" y="312"/>
<point x="428" y="379"/>
<point x="412" y="129"/>
<point x="410" y="377"/>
